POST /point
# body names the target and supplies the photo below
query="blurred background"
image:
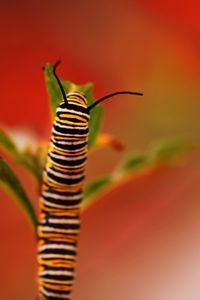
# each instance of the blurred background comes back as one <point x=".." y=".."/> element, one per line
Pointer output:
<point x="141" y="240"/>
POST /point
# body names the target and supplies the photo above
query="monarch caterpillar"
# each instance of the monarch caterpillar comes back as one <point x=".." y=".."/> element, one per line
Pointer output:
<point x="61" y="194"/>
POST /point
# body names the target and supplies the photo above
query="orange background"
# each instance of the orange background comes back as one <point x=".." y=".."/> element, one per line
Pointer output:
<point x="140" y="241"/>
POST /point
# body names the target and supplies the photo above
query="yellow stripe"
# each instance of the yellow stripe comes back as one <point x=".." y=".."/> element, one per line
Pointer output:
<point x="66" y="170"/>
<point x="67" y="153"/>
<point x="57" y="263"/>
<point x="75" y="98"/>
<point x="65" y="188"/>
<point x="59" y="240"/>
<point x="73" y="117"/>
<point x="68" y="138"/>
<point x="55" y="287"/>
<point x="71" y="123"/>
<point x="71" y="213"/>
<point x="54" y="281"/>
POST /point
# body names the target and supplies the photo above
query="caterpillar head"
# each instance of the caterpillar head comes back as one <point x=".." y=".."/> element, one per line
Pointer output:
<point x="78" y="98"/>
<point x="73" y="111"/>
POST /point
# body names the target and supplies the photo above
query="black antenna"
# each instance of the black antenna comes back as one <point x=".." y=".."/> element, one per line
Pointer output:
<point x="111" y="95"/>
<point x="58" y="80"/>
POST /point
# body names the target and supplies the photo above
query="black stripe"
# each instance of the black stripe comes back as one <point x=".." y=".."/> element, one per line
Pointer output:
<point x="67" y="181"/>
<point x="70" y="130"/>
<point x="58" y="251"/>
<point x="69" y="146"/>
<point x="64" y="203"/>
<point x="75" y="107"/>
<point x="57" y="277"/>
<point x="52" y="191"/>
<point x="66" y="163"/>
<point x="61" y="226"/>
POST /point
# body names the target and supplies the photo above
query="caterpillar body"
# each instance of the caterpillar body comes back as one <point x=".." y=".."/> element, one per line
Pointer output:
<point x="61" y="195"/>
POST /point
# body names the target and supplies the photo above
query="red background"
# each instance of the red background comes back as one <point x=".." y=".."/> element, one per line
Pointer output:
<point x="146" y="245"/>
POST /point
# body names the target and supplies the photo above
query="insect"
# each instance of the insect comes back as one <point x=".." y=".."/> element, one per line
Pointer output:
<point x="61" y="194"/>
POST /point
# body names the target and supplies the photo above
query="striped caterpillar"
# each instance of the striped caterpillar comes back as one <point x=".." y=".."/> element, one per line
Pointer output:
<point x="61" y="195"/>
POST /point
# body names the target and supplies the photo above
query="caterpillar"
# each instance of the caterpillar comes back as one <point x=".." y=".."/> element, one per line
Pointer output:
<point x="62" y="193"/>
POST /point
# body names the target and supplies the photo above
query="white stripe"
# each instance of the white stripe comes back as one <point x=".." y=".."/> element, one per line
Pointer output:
<point x="69" y="143"/>
<point x="65" y="109"/>
<point x="68" y="134"/>
<point x="70" y="127"/>
<point x="49" y="272"/>
<point x="57" y="246"/>
<point x="54" y="205"/>
<point x="61" y="197"/>
<point x="64" y="221"/>
<point x="61" y="175"/>
<point x="52" y="229"/>
<point x="59" y="156"/>
<point x="59" y="109"/>
<point x="52" y="255"/>
<point x="58" y="296"/>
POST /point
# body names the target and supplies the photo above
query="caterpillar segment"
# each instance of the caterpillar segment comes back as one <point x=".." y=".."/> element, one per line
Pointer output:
<point x="61" y="195"/>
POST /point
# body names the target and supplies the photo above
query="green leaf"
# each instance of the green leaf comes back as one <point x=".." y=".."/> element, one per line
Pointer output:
<point x="55" y="98"/>
<point x="161" y="152"/>
<point x="95" y="187"/>
<point x="53" y="90"/>
<point x="131" y="164"/>
<point x="34" y="162"/>
<point x="11" y="184"/>
<point x="96" y="114"/>
<point x="7" y="144"/>
<point x="31" y="161"/>
<point x="95" y="121"/>
<point x="167" y="151"/>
